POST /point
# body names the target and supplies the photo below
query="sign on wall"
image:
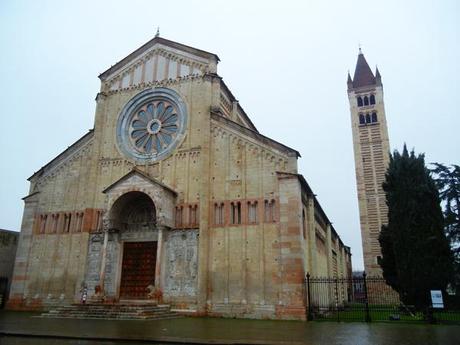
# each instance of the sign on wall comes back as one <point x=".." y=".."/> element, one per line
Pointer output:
<point x="436" y="299"/>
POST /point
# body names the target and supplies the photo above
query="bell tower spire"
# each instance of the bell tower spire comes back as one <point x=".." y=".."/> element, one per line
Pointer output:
<point x="371" y="150"/>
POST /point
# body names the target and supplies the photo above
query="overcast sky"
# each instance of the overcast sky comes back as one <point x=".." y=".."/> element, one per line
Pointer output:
<point x="285" y="61"/>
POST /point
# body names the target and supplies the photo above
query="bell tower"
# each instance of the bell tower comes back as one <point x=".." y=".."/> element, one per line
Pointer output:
<point x="371" y="149"/>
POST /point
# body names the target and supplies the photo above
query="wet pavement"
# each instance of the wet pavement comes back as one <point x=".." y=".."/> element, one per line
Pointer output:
<point x="24" y="328"/>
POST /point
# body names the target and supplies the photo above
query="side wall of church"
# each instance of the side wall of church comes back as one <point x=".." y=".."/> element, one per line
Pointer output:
<point x="255" y="251"/>
<point x="51" y="257"/>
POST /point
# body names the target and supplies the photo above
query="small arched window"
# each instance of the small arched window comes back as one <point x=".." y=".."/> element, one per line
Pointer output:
<point x="362" y="120"/>
<point x="374" y="117"/>
<point x="360" y="102"/>
<point x="368" y="118"/>
<point x="372" y="99"/>
<point x="366" y="100"/>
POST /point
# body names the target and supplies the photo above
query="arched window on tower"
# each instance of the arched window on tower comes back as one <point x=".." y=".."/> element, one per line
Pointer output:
<point x="368" y="118"/>
<point x="374" y="117"/>
<point x="362" y="120"/>
<point x="360" y="101"/>
<point x="372" y="99"/>
<point x="366" y="100"/>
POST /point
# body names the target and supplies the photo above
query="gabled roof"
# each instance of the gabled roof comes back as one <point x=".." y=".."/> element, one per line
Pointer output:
<point x="64" y="154"/>
<point x="363" y="73"/>
<point x="240" y="108"/>
<point x="249" y="132"/>
<point x="138" y="172"/>
<point x="150" y="44"/>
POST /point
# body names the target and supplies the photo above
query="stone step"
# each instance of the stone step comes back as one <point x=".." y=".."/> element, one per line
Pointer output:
<point x="112" y="311"/>
<point x="119" y="317"/>
<point x="111" y="314"/>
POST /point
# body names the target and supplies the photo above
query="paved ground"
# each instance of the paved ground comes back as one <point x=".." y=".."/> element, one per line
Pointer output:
<point x="23" y="328"/>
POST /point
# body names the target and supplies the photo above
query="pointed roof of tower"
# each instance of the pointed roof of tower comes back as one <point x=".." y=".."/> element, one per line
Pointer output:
<point x="363" y="73"/>
<point x="349" y="81"/>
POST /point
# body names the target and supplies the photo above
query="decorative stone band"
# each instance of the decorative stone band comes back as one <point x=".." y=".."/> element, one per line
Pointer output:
<point x="244" y="212"/>
<point x="68" y="222"/>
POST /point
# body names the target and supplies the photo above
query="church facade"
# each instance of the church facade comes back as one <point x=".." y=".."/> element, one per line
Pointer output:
<point x="174" y="188"/>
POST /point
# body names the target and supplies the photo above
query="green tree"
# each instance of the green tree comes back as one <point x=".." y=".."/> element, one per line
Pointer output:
<point x="416" y="255"/>
<point x="448" y="182"/>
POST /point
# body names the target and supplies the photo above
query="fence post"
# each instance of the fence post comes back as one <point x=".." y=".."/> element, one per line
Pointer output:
<point x="368" y="316"/>
<point x="310" y="311"/>
<point x="337" y="298"/>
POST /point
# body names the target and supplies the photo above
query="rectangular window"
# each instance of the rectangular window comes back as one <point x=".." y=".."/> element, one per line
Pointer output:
<point x="252" y="212"/>
<point x="193" y="215"/>
<point x="269" y="211"/>
<point x="219" y="214"/>
<point x="43" y="219"/>
<point x="179" y="211"/>
<point x="236" y="212"/>
<point x="55" y="219"/>
<point x="79" y="222"/>
<point x="98" y="225"/>
<point x="304" y="225"/>
<point x="67" y="222"/>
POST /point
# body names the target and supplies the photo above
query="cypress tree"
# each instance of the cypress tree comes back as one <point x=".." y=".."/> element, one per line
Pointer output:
<point x="416" y="256"/>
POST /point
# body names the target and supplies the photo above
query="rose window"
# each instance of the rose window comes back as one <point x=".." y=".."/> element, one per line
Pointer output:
<point x="154" y="127"/>
<point x="151" y="124"/>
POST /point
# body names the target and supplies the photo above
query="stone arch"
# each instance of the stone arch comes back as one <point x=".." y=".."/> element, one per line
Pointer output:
<point x="134" y="210"/>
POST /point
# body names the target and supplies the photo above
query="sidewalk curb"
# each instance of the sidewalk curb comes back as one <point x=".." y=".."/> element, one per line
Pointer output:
<point x="167" y="340"/>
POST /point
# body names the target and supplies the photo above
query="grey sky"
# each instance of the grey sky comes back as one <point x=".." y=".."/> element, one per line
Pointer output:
<point x="286" y="62"/>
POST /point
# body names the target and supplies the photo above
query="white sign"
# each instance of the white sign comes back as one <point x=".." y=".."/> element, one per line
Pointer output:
<point x="436" y="299"/>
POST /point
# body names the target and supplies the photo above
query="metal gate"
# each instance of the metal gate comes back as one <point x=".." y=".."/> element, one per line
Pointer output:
<point x="362" y="298"/>
<point x="3" y="291"/>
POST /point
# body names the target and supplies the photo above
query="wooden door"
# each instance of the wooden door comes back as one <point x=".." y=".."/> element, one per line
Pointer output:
<point x="138" y="269"/>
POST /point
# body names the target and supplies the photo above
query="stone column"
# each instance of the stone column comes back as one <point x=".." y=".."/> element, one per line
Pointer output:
<point x="158" y="260"/>
<point x="104" y="256"/>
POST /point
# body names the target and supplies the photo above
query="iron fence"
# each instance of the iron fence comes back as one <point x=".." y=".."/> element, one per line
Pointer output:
<point x="363" y="298"/>
<point x="3" y="291"/>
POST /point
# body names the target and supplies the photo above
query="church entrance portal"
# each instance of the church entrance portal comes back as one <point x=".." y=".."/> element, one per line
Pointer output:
<point x="134" y="215"/>
<point x="138" y="269"/>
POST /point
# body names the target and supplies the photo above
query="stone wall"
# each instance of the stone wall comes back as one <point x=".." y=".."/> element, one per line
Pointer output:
<point x="180" y="266"/>
<point x="8" y="247"/>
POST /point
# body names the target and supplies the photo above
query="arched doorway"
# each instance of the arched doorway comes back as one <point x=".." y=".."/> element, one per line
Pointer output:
<point x="135" y="213"/>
